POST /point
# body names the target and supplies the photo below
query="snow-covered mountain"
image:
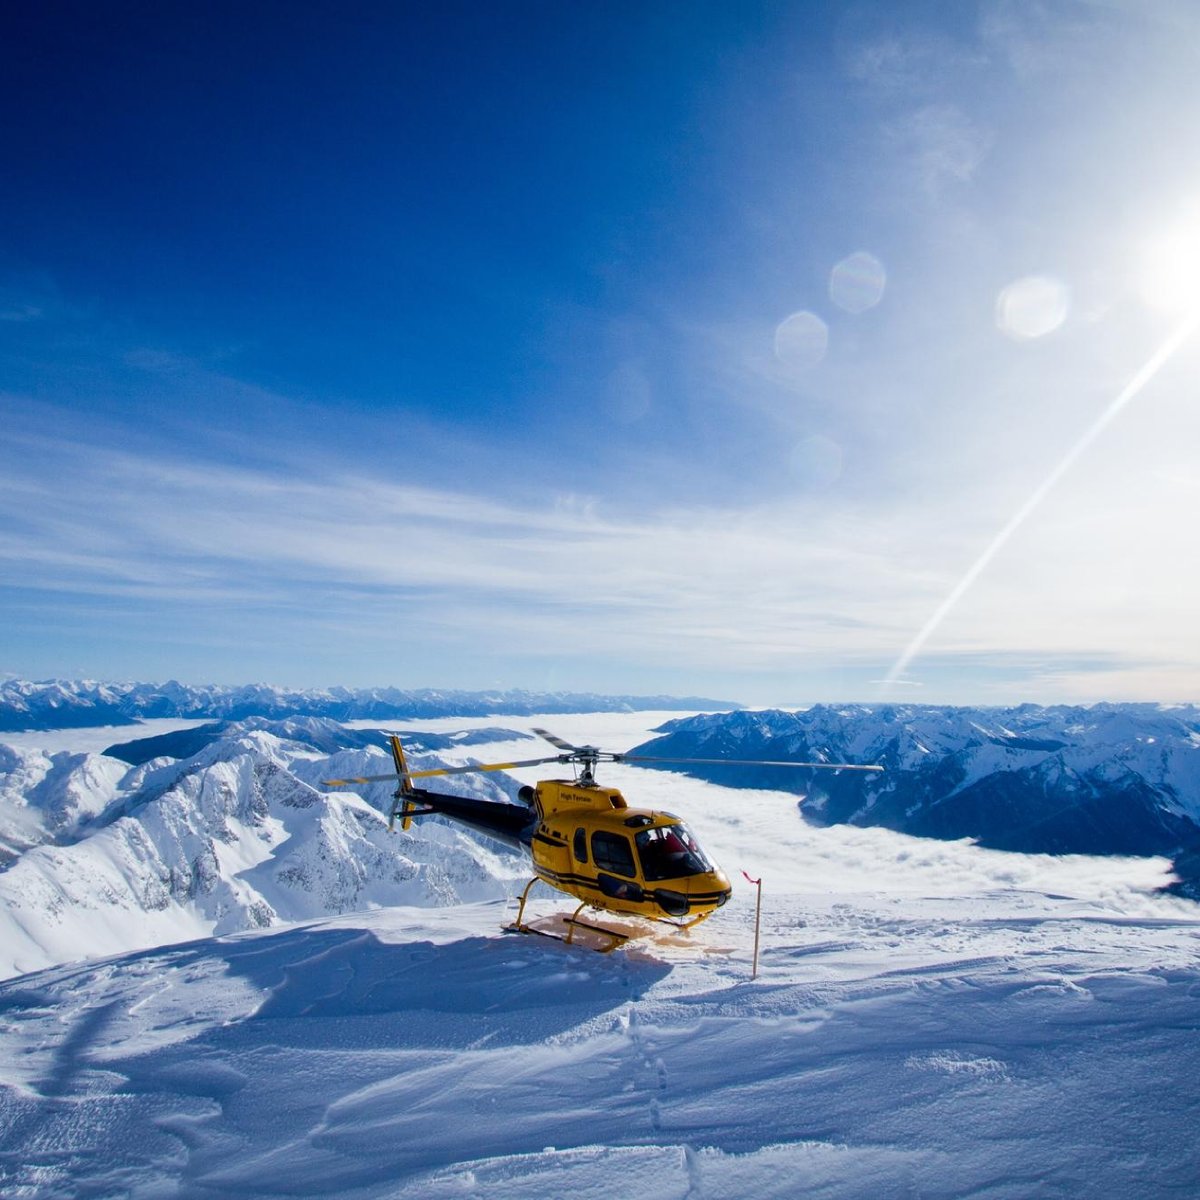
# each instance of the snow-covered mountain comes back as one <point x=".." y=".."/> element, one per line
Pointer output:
<point x="930" y="1018"/>
<point x="1107" y="779"/>
<point x="45" y="797"/>
<point x="102" y="858"/>
<point x="221" y="828"/>
<point x="66" y="704"/>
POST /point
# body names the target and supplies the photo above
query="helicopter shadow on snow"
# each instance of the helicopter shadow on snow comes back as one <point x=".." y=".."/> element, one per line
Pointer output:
<point x="356" y="989"/>
<point x="342" y="987"/>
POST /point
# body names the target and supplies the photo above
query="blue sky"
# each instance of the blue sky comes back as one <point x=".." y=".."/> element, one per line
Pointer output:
<point x="774" y="352"/>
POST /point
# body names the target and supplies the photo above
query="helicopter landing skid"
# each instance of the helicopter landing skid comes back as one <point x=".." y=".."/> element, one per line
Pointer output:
<point x="615" y="937"/>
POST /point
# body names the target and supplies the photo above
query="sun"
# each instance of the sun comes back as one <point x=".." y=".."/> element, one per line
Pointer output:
<point x="1169" y="269"/>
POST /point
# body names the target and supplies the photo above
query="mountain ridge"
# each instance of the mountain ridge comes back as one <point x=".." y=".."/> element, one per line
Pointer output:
<point x="63" y="704"/>
<point x="1098" y="779"/>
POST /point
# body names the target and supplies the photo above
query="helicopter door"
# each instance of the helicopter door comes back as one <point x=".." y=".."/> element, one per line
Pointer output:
<point x="579" y="845"/>
<point x="612" y="852"/>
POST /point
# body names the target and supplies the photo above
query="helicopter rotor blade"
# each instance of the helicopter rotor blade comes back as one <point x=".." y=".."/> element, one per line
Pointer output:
<point x="748" y="762"/>
<point x="555" y="740"/>
<point x="572" y="753"/>
<point x="359" y="779"/>
<point x="503" y="766"/>
<point x="481" y="767"/>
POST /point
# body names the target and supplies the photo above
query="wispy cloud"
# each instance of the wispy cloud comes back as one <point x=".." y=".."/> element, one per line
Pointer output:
<point x="20" y="311"/>
<point x="775" y="589"/>
<point x="942" y="143"/>
<point x="163" y="527"/>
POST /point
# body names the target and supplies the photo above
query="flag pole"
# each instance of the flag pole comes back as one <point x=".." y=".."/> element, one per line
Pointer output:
<point x="757" y="921"/>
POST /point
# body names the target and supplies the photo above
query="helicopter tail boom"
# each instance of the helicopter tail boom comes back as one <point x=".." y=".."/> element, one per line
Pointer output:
<point x="507" y="822"/>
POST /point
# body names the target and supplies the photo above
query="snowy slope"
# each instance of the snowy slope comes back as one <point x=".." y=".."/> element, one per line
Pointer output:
<point x="995" y="1044"/>
<point x="45" y="796"/>
<point x="241" y="836"/>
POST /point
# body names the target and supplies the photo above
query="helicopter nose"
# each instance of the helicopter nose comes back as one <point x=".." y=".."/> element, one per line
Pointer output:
<point x="710" y="891"/>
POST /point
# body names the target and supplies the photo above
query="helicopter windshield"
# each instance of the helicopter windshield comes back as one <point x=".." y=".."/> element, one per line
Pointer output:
<point x="670" y="852"/>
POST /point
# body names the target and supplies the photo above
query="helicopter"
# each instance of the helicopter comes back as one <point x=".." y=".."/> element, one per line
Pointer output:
<point x="583" y="838"/>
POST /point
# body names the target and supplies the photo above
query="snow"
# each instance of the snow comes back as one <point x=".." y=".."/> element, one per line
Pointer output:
<point x="930" y="1019"/>
<point x="1001" y="1047"/>
<point x="45" y="796"/>
<point x="57" y="704"/>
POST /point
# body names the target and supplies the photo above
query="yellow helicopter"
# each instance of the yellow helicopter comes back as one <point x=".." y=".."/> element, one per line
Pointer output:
<point x="583" y="838"/>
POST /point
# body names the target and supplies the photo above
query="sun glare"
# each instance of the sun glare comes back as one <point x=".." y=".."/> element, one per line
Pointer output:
<point x="1169" y="276"/>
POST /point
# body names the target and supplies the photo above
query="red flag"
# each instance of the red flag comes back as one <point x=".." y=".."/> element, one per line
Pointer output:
<point x="756" y="882"/>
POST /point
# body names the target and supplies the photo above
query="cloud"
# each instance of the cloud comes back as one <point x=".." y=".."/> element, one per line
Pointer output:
<point x="740" y="586"/>
<point x="780" y="589"/>
<point x="32" y="296"/>
<point x="1052" y="42"/>
<point x="925" y="83"/>
<point x="909" y="63"/>
<point x="941" y="144"/>
<point x="694" y="492"/>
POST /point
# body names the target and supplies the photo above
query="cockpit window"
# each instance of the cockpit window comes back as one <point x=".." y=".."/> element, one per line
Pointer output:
<point x="670" y="853"/>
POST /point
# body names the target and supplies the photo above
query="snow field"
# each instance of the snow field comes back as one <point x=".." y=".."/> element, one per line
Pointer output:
<point x="889" y="1046"/>
<point x="930" y="1019"/>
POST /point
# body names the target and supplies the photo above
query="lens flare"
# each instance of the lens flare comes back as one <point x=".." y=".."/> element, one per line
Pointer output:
<point x="857" y="282"/>
<point x="801" y="340"/>
<point x="1032" y="307"/>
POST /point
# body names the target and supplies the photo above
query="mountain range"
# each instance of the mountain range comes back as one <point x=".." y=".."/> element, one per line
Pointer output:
<point x="225" y="827"/>
<point x="69" y="704"/>
<point x="1103" y="779"/>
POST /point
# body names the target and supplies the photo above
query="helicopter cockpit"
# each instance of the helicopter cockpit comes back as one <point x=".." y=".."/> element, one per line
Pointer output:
<point x="671" y="852"/>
